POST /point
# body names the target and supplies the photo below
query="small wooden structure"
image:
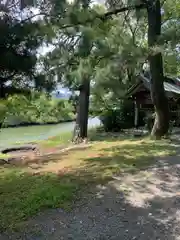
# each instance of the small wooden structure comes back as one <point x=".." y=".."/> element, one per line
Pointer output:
<point x="140" y="94"/>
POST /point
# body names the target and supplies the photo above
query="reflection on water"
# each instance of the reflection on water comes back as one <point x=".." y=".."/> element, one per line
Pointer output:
<point x="33" y="133"/>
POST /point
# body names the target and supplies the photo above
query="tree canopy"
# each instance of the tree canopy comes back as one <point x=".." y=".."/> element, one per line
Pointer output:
<point x="105" y="46"/>
<point x="20" y="40"/>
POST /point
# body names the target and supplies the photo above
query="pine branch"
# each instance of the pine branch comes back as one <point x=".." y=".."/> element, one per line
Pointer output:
<point x="107" y="15"/>
<point x="123" y="9"/>
<point x="102" y="17"/>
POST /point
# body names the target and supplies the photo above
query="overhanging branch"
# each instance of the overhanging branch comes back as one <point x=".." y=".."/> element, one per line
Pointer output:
<point x="4" y="79"/>
<point x="107" y="15"/>
<point x="123" y="9"/>
<point x="102" y="17"/>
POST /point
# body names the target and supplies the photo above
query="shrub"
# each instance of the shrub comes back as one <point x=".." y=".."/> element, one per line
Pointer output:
<point x="37" y="109"/>
<point x="121" y="117"/>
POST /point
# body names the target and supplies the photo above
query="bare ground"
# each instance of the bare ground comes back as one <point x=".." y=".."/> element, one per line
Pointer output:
<point x="142" y="206"/>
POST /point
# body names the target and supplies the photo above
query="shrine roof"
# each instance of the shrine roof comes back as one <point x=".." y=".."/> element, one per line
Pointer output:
<point x="170" y="85"/>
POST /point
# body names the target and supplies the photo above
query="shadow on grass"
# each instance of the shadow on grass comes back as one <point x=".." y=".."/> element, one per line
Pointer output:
<point x="109" y="213"/>
<point x="37" y="162"/>
<point x="94" y="135"/>
<point x="23" y="194"/>
<point x="129" y="157"/>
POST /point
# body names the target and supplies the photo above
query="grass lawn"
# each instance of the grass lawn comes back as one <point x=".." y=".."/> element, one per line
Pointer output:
<point x="55" y="182"/>
<point x="4" y="156"/>
<point x="63" y="138"/>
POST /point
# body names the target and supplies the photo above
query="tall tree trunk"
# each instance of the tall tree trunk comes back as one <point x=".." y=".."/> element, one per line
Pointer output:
<point x="2" y="90"/>
<point x="76" y="132"/>
<point x="2" y="96"/>
<point x="84" y="108"/>
<point x="159" y="99"/>
<point x="81" y="127"/>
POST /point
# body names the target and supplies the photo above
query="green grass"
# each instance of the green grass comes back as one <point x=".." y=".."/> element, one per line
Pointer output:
<point x="4" y="156"/>
<point x="23" y="195"/>
<point x="63" y="138"/>
<point x="56" y="181"/>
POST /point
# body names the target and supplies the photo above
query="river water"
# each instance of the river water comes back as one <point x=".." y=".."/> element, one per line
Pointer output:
<point x="9" y="136"/>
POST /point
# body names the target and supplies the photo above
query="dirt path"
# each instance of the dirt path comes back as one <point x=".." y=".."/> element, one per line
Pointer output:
<point x="142" y="206"/>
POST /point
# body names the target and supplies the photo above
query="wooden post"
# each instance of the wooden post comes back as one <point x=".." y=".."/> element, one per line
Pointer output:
<point x="136" y="114"/>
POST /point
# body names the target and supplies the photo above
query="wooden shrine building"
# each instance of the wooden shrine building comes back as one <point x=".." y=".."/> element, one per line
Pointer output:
<point x="140" y="94"/>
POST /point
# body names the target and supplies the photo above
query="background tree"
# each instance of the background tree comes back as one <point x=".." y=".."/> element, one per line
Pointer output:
<point x="36" y="108"/>
<point x="20" y="40"/>
<point x="79" y="18"/>
<point x="78" y="59"/>
<point x="159" y="99"/>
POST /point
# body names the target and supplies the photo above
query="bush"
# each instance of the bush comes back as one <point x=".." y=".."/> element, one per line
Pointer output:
<point x="36" y="109"/>
<point x="121" y="118"/>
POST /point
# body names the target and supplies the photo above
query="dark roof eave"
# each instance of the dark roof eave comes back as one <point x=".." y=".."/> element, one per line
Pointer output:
<point x="134" y="87"/>
<point x="169" y="87"/>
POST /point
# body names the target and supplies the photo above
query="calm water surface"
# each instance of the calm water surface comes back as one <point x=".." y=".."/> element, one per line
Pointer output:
<point x="9" y="136"/>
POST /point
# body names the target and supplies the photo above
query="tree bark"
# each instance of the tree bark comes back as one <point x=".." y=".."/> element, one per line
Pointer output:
<point x="159" y="99"/>
<point x="81" y="127"/>
<point x="84" y="108"/>
<point x="76" y="134"/>
<point x="2" y="90"/>
<point x="2" y="96"/>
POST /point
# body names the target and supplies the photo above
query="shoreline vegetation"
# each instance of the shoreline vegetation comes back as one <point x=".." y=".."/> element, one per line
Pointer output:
<point x="26" y="124"/>
<point x="36" y="109"/>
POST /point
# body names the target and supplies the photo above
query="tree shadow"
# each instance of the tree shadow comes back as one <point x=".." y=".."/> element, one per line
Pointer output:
<point x="130" y="157"/>
<point x="38" y="161"/>
<point x="111" y="136"/>
<point x="107" y="213"/>
<point x="105" y="200"/>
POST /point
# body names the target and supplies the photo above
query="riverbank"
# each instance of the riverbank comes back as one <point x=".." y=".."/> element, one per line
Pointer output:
<point x="21" y="153"/>
<point x="36" y="109"/>
<point x="11" y="136"/>
<point x="27" y="124"/>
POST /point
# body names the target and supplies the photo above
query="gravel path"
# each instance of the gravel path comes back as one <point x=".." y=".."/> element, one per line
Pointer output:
<point x="142" y="206"/>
